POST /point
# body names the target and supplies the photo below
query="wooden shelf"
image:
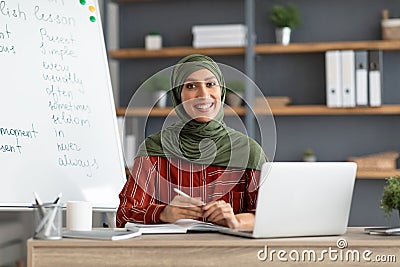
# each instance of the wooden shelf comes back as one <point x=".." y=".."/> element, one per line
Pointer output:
<point x="295" y="110"/>
<point x="322" y="47"/>
<point x="161" y="112"/>
<point x="316" y="110"/>
<point x="130" y="53"/>
<point x="377" y="174"/>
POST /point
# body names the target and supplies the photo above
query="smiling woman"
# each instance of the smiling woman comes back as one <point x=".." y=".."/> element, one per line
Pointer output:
<point x="201" y="95"/>
<point x="199" y="155"/>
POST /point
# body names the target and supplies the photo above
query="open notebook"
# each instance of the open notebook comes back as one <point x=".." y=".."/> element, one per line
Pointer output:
<point x="181" y="226"/>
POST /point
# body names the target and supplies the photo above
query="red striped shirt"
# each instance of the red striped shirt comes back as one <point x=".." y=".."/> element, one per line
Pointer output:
<point x="150" y="186"/>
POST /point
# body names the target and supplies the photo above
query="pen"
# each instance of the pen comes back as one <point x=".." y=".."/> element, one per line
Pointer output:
<point x="40" y="204"/>
<point x="42" y="223"/>
<point x="184" y="194"/>
<point x="50" y="222"/>
<point x="58" y="198"/>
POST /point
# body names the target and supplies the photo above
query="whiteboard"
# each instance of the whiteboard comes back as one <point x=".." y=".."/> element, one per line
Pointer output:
<point x="58" y="130"/>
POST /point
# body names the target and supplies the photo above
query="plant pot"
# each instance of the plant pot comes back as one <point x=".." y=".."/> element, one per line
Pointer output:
<point x="153" y="42"/>
<point x="310" y="158"/>
<point x="234" y="99"/>
<point x="160" y="99"/>
<point x="283" y="35"/>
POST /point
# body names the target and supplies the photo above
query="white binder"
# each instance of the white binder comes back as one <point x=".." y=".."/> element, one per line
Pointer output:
<point x="361" y="58"/>
<point x="333" y="78"/>
<point x="375" y="78"/>
<point x="348" y="78"/>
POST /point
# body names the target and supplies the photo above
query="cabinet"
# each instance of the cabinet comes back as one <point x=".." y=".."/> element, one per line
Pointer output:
<point x="296" y="70"/>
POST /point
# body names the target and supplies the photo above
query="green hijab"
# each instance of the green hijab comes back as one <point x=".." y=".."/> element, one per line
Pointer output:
<point x="210" y="143"/>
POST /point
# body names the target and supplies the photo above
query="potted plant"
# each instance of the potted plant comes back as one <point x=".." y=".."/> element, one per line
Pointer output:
<point x="391" y="196"/>
<point x="158" y="85"/>
<point x="234" y="92"/>
<point x="285" y="18"/>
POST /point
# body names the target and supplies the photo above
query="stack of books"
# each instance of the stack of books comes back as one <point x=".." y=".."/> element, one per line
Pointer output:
<point x="223" y="35"/>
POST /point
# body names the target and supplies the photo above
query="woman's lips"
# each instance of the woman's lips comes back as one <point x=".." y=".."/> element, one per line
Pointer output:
<point x="204" y="107"/>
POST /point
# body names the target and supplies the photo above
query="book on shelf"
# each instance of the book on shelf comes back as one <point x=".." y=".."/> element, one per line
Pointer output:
<point x="181" y="226"/>
<point x="219" y="38"/>
<point x="375" y="78"/>
<point x="221" y="43"/>
<point x="361" y="62"/>
<point x="333" y="79"/>
<point x="219" y="29"/>
<point x="103" y="234"/>
<point x="348" y="69"/>
<point x="223" y="35"/>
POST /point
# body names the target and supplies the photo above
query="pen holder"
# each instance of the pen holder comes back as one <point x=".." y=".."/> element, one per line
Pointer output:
<point x="47" y="221"/>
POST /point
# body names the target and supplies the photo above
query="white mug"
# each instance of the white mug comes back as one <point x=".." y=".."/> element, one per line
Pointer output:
<point x="79" y="216"/>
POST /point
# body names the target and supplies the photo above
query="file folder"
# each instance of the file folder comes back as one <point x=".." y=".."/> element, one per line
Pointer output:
<point x="348" y="78"/>
<point x="361" y="58"/>
<point x="333" y="78"/>
<point x="375" y="78"/>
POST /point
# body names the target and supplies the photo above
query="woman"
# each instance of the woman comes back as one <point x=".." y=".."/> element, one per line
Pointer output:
<point x="217" y="166"/>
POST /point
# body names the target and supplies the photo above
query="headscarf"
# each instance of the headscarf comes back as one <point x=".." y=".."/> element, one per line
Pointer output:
<point x="210" y="143"/>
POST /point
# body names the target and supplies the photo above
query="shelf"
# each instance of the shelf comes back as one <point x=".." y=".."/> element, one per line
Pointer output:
<point x="161" y="112"/>
<point x="130" y="53"/>
<point x="324" y="110"/>
<point x="295" y="110"/>
<point x="322" y="47"/>
<point x="377" y="174"/>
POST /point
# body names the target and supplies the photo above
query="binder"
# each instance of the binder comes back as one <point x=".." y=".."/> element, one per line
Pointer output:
<point x="348" y="78"/>
<point x="375" y="78"/>
<point x="361" y="58"/>
<point x="333" y="78"/>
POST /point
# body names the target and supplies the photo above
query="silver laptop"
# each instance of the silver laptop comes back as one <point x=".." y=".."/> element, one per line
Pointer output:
<point x="302" y="199"/>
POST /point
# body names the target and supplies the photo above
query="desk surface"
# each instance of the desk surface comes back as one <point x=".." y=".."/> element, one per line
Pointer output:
<point x="211" y="249"/>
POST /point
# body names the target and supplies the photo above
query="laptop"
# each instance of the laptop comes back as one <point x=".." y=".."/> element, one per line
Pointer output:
<point x="302" y="199"/>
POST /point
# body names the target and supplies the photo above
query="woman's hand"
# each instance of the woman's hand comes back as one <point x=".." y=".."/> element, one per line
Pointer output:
<point x="221" y="213"/>
<point x="182" y="208"/>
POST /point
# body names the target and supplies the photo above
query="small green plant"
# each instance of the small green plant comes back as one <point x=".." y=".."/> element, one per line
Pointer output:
<point x="391" y="195"/>
<point x="236" y="86"/>
<point x="158" y="83"/>
<point x="308" y="152"/>
<point x="285" y="16"/>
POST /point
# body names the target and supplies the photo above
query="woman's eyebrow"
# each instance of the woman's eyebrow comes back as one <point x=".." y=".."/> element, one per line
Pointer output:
<point x="196" y="80"/>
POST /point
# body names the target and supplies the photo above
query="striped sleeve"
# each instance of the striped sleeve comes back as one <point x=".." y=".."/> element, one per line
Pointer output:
<point x="137" y="202"/>
<point x="252" y="183"/>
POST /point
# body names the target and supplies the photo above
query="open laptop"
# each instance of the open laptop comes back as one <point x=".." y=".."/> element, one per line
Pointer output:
<point x="302" y="199"/>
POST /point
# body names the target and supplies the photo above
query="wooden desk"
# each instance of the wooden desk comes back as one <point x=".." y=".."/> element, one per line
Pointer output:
<point x="217" y="250"/>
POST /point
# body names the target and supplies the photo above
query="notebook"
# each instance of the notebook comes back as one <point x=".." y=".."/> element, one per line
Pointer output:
<point x="181" y="226"/>
<point x="103" y="234"/>
<point x="302" y="199"/>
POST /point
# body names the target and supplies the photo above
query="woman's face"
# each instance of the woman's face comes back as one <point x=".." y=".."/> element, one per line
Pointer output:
<point x="201" y="95"/>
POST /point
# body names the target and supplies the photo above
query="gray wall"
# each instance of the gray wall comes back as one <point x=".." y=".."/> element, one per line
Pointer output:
<point x="300" y="76"/>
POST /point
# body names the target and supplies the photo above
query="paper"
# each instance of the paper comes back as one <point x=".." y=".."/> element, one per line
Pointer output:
<point x="181" y="226"/>
<point x="103" y="234"/>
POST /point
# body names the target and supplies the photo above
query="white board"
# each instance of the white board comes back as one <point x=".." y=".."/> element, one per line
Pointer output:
<point x="58" y="130"/>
